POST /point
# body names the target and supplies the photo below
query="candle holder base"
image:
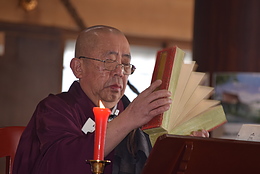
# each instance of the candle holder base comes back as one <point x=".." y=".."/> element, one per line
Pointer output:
<point x="97" y="166"/>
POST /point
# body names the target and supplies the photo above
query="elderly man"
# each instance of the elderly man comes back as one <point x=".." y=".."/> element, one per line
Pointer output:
<point x="53" y="141"/>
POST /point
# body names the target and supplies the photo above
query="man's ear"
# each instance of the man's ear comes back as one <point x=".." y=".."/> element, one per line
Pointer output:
<point x="76" y="67"/>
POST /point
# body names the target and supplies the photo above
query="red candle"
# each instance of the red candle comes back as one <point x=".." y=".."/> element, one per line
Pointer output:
<point x="101" y="115"/>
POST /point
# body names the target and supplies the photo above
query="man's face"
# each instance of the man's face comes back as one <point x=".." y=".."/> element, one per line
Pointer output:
<point x="99" y="83"/>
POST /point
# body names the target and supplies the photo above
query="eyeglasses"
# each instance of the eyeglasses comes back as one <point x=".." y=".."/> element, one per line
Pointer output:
<point x="111" y="65"/>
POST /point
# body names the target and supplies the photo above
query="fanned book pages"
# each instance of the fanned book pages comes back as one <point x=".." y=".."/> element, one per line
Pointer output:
<point x="191" y="110"/>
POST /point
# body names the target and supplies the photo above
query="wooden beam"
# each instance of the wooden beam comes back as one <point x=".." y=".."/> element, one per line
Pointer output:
<point x="74" y="14"/>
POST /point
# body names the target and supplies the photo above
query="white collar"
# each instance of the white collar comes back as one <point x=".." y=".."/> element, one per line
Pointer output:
<point x="114" y="113"/>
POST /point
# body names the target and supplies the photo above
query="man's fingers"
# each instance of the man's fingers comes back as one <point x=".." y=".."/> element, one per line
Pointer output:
<point x="152" y="87"/>
<point x="201" y="133"/>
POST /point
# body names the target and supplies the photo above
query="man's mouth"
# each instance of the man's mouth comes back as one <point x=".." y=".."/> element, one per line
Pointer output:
<point x="115" y="87"/>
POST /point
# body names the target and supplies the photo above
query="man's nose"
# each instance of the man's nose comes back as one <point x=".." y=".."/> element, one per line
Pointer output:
<point x="119" y="69"/>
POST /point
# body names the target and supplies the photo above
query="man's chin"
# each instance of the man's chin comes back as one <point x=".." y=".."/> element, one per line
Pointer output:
<point x="114" y="97"/>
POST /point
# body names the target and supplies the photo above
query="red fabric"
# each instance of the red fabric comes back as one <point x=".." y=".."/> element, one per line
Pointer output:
<point x="53" y="142"/>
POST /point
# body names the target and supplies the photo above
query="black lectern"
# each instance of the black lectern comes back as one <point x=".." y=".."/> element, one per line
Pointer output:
<point x="174" y="154"/>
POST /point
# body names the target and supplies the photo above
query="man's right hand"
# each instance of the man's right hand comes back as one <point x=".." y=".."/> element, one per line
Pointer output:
<point x="148" y="104"/>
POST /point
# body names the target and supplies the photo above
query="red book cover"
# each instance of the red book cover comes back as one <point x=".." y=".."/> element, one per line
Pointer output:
<point x="162" y="70"/>
<point x="191" y="109"/>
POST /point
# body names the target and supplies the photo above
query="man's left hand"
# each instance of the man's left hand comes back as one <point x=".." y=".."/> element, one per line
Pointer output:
<point x="201" y="133"/>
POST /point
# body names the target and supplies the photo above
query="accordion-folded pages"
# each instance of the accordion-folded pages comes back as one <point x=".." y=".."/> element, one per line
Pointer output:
<point x="192" y="109"/>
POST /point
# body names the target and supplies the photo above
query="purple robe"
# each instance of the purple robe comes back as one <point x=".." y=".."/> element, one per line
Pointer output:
<point x="53" y="142"/>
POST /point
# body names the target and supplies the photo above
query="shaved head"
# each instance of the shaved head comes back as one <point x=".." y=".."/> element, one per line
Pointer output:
<point x="89" y="38"/>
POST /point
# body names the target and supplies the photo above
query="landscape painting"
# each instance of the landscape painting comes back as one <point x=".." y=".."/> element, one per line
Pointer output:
<point x="239" y="93"/>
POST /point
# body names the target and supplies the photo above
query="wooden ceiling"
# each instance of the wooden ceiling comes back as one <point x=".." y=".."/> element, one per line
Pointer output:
<point x="161" y="19"/>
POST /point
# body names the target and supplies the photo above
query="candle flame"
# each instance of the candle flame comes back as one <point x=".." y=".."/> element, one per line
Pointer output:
<point x="101" y="104"/>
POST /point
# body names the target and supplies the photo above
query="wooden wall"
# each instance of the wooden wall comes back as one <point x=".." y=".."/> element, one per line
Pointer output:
<point x="30" y="69"/>
<point x="227" y="35"/>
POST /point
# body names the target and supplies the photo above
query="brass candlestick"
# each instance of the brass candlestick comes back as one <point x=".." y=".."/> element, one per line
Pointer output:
<point x="97" y="166"/>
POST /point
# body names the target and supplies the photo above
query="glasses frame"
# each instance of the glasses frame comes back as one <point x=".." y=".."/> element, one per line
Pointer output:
<point x="104" y="61"/>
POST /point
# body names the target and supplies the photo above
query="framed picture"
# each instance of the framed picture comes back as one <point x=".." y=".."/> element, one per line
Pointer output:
<point x="239" y="93"/>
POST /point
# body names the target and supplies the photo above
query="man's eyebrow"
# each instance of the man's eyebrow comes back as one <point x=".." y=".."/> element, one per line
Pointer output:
<point x="113" y="52"/>
<point x="123" y="55"/>
<point x="127" y="55"/>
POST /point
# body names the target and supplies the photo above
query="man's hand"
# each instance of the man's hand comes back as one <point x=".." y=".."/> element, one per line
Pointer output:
<point x="201" y="133"/>
<point x="148" y="104"/>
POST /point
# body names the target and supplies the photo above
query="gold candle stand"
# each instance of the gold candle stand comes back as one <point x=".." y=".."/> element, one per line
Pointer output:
<point x="98" y="166"/>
